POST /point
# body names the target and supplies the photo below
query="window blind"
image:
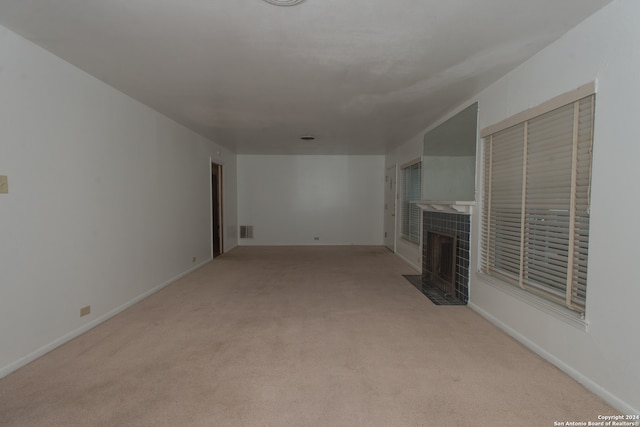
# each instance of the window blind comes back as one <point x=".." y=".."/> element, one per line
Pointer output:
<point x="535" y="212"/>
<point x="411" y="191"/>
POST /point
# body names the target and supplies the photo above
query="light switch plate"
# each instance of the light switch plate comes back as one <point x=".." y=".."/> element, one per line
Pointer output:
<point x="4" y="184"/>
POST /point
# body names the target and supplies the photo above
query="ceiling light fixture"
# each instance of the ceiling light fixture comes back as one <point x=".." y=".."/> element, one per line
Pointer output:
<point x="284" y="2"/>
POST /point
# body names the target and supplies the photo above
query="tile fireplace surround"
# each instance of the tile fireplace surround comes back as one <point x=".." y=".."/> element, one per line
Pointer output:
<point x="451" y="218"/>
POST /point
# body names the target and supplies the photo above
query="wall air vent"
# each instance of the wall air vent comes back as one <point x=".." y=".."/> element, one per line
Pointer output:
<point x="246" y="231"/>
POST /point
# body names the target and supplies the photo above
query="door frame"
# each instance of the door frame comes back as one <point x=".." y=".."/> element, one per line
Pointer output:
<point x="213" y="164"/>
<point x="394" y="190"/>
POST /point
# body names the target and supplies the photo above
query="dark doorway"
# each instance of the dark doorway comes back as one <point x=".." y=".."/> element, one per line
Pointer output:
<point x="216" y="209"/>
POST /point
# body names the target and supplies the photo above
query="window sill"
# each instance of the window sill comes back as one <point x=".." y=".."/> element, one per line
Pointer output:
<point x="411" y="242"/>
<point x="563" y="314"/>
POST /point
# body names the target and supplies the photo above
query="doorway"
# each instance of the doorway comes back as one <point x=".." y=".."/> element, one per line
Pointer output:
<point x="216" y="210"/>
<point x="390" y="208"/>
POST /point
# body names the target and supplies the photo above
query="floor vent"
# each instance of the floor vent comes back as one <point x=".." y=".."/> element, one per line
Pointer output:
<point x="246" y="231"/>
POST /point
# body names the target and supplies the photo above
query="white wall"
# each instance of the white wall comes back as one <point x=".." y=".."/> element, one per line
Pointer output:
<point x="290" y="200"/>
<point x="604" y="355"/>
<point x="407" y="152"/>
<point x="108" y="200"/>
<point x="605" y="358"/>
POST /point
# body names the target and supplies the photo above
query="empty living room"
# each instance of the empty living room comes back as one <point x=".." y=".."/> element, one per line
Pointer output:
<point x="317" y="213"/>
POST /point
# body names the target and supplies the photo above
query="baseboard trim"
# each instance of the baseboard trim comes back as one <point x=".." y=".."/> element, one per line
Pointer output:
<point x="412" y="264"/>
<point x="14" y="366"/>
<point x="589" y="384"/>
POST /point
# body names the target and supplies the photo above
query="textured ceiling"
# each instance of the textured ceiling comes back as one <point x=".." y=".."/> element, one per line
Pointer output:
<point x="361" y="75"/>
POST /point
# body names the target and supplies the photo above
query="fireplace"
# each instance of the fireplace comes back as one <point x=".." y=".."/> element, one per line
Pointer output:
<point x="440" y="261"/>
<point x="445" y="248"/>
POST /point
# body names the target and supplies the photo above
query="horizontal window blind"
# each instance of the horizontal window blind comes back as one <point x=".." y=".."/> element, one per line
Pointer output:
<point x="535" y="212"/>
<point x="411" y="192"/>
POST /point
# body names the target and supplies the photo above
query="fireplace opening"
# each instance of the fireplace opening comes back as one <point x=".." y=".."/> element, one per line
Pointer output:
<point x="440" y="266"/>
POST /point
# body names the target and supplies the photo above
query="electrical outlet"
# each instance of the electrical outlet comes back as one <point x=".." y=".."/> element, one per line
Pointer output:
<point x="316" y="238"/>
<point x="4" y="184"/>
<point x="85" y="310"/>
<point x="194" y="259"/>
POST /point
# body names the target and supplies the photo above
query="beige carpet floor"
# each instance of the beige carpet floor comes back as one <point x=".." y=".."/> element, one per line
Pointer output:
<point x="314" y="336"/>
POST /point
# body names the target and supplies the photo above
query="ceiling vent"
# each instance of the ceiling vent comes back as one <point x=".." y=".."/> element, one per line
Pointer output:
<point x="284" y="2"/>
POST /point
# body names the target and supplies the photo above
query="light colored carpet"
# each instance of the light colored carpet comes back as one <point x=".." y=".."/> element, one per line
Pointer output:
<point x="282" y="336"/>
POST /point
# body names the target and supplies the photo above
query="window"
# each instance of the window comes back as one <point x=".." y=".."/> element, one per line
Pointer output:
<point x="411" y="191"/>
<point x="535" y="211"/>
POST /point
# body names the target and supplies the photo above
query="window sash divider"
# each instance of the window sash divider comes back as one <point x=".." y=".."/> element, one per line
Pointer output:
<point x="572" y="210"/>
<point x="489" y="200"/>
<point x="523" y="201"/>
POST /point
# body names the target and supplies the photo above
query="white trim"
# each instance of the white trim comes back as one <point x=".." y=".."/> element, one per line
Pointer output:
<point x="211" y="205"/>
<point x="557" y="102"/>
<point x="556" y="310"/>
<point x="588" y="383"/>
<point x="395" y="210"/>
<point x="212" y="161"/>
<point x="405" y="259"/>
<point x="411" y="163"/>
<point x="395" y="206"/>
<point x="217" y="160"/>
<point x="413" y="242"/>
<point x="14" y="366"/>
<point x="446" y="206"/>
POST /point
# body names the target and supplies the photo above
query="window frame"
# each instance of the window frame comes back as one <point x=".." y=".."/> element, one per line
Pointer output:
<point x="410" y="213"/>
<point x="574" y="297"/>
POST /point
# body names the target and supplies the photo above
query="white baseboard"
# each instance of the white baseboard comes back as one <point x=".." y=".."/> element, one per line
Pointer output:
<point x="589" y="384"/>
<point x="412" y="264"/>
<point x="14" y="366"/>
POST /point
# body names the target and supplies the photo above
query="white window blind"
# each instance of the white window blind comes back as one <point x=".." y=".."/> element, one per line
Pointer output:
<point x="411" y="191"/>
<point x="535" y="212"/>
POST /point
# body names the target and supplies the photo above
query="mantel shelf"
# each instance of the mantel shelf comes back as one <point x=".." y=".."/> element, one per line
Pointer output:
<point x="446" y="206"/>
